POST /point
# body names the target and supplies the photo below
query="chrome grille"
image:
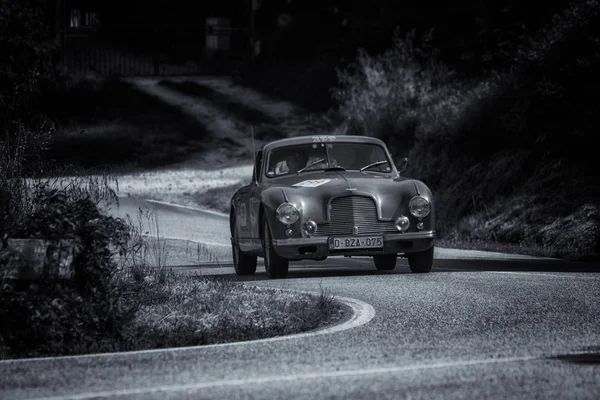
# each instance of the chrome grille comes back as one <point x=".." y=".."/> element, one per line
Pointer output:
<point x="354" y="211"/>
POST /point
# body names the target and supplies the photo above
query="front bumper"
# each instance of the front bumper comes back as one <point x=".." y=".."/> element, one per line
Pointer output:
<point x="318" y="247"/>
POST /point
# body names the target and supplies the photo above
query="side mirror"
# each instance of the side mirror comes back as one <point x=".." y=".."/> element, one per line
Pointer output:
<point x="402" y="164"/>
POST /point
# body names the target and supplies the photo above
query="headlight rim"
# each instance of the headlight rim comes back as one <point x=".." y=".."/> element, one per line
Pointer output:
<point x="411" y="202"/>
<point x="278" y="213"/>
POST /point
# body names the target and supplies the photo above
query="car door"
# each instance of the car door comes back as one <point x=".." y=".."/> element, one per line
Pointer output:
<point x="245" y="217"/>
<point x="254" y="199"/>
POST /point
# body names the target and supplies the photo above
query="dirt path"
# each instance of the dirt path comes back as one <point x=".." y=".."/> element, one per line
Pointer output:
<point x="225" y="109"/>
<point x="230" y="113"/>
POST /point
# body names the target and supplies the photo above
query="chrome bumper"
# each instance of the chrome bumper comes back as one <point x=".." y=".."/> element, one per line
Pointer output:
<point x="317" y="247"/>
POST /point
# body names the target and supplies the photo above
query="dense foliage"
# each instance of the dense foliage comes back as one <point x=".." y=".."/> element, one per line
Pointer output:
<point x="46" y="315"/>
<point x="504" y="151"/>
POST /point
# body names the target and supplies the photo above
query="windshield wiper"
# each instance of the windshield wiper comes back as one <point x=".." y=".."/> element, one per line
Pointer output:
<point x="373" y="165"/>
<point x="336" y="168"/>
<point x="311" y="164"/>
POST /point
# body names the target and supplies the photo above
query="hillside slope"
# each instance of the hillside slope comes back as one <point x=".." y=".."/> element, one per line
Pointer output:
<point x="510" y="157"/>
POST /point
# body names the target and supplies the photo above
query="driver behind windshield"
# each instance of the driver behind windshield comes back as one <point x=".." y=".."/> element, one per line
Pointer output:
<point x="288" y="160"/>
<point x="297" y="160"/>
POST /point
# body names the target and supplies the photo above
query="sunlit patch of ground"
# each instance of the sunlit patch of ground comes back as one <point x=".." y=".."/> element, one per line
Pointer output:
<point x="275" y="109"/>
<point x="211" y="190"/>
<point x="181" y="181"/>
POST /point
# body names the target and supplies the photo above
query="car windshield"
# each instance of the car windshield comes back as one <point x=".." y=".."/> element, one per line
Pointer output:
<point x="367" y="157"/>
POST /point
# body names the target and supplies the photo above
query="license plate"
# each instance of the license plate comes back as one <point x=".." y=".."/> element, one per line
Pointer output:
<point x="362" y="242"/>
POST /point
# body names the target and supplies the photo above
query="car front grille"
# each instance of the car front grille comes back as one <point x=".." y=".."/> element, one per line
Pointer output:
<point x="354" y="211"/>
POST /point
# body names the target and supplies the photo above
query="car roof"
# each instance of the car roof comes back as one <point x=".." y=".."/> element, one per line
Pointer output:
<point x="320" y="139"/>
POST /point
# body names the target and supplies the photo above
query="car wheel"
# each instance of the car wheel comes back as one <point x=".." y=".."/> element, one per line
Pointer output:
<point x="243" y="263"/>
<point x="275" y="265"/>
<point x="385" y="262"/>
<point x="421" y="262"/>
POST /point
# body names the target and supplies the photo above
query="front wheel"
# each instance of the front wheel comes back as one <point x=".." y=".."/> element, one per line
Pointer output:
<point x="421" y="262"/>
<point x="275" y="265"/>
<point x="385" y="262"/>
<point x="243" y="263"/>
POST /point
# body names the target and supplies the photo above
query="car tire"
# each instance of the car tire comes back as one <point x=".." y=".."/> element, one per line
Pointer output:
<point x="275" y="265"/>
<point x="421" y="262"/>
<point x="385" y="262"/>
<point x="244" y="264"/>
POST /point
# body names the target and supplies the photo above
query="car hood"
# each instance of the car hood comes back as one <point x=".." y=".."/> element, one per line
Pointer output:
<point x="312" y="192"/>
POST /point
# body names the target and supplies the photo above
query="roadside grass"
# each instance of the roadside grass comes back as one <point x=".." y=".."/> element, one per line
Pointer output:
<point x="174" y="310"/>
<point x="107" y="122"/>
<point x="198" y="310"/>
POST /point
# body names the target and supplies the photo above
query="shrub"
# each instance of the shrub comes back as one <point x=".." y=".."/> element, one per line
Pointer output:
<point x="405" y="94"/>
<point x="45" y="315"/>
<point x="519" y="133"/>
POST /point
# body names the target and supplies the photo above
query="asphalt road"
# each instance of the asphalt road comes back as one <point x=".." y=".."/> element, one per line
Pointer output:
<point x="478" y="326"/>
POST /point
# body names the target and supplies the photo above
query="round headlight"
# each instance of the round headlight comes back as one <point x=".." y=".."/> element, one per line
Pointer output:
<point x="287" y="214"/>
<point x="419" y="206"/>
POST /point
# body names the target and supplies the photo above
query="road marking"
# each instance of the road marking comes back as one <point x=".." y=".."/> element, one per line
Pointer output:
<point x="362" y="313"/>
<point x="289" y="378"/>
<point x="518" y="273"/>
<point x="541" y="274"/>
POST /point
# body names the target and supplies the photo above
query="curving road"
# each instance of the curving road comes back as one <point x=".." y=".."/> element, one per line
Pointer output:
<point x="480" y="325"/>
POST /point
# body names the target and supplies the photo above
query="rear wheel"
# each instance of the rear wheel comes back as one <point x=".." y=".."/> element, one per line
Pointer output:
<point x="243" y="263"/>
<point x="385" y="262"/>
<point x="421" y="262"/>
<point x="275" y="265"/>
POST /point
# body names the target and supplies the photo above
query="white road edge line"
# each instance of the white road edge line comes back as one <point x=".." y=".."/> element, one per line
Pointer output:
<point x="540" y="274"/>
<point x="362" y="313"/>
<point x="289" y="378"/>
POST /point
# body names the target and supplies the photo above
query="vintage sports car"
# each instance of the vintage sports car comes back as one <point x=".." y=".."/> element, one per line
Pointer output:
<point x="317" y="196"/>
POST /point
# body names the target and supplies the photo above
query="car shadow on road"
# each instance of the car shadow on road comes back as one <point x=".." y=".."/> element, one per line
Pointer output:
<point x="295" y="273"/>
<point x="343" y="268"/>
